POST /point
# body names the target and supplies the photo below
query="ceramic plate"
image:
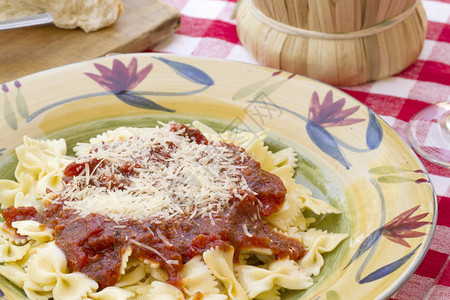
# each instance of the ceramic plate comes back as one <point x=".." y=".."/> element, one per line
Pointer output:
<point x="347" y="154"/>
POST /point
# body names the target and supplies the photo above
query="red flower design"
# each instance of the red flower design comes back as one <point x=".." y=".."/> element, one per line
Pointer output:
<point x="403" y="227"/>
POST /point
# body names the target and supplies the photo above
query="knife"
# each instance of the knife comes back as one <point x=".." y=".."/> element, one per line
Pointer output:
<point x="34" y="20"/>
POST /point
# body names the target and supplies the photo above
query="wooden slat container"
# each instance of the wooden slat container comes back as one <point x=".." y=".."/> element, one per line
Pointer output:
<point x="341" y="42"/>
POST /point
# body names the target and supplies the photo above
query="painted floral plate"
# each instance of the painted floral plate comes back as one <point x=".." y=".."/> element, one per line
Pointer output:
<point x="347" y="154"/>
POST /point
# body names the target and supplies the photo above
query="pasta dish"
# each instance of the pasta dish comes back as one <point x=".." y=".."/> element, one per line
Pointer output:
<point x="170" y="212"/>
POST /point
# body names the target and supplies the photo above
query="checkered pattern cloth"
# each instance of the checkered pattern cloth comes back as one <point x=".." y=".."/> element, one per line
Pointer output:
<point x="208" y="30"/>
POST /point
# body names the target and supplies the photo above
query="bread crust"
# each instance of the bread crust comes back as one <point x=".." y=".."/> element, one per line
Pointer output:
<point x="11" y="9"/>
<point x="89" y="15"/>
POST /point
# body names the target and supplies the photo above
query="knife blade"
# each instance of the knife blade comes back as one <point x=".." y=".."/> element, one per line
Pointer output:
<point x="34" y="20"/>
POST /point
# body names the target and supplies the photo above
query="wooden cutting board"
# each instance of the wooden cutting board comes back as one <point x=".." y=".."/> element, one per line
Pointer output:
<point x="142" y="24"/>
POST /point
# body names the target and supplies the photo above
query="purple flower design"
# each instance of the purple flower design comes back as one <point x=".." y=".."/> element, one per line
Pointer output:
<point x="329" y="113"/>
<point x="120" y="78"/>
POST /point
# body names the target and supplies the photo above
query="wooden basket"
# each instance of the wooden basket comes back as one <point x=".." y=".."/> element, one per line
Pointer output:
<point x="341" y="42"/>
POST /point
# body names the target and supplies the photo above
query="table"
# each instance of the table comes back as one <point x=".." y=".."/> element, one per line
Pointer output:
<point x="208" y="30"/>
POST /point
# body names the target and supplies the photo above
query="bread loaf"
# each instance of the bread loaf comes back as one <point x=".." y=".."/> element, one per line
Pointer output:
<point x="11" y="9"/>
<point x="89" y="15"/>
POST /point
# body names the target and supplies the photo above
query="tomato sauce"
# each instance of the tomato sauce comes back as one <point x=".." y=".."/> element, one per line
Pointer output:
<point x="95" y="244"/>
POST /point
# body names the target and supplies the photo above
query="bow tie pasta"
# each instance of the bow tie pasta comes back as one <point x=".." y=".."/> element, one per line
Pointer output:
<point x="171" y="212"/>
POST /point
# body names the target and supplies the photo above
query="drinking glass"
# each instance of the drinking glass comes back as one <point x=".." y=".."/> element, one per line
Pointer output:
<point x="429" y="133"/>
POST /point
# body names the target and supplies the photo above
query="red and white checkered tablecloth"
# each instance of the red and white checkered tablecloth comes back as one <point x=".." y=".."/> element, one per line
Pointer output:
<point x="208" y="30"/>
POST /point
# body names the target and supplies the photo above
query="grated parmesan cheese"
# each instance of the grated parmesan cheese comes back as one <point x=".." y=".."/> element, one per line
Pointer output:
<point x="172" y="175"/>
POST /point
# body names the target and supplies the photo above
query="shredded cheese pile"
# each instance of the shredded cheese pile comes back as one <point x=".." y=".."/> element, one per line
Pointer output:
<point x="174" y="175"/>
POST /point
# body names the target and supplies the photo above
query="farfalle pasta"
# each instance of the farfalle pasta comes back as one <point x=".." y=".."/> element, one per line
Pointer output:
<point x="171" y="212"/>
<point x="197" y="277"/>
<point x="277" y="274"/>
